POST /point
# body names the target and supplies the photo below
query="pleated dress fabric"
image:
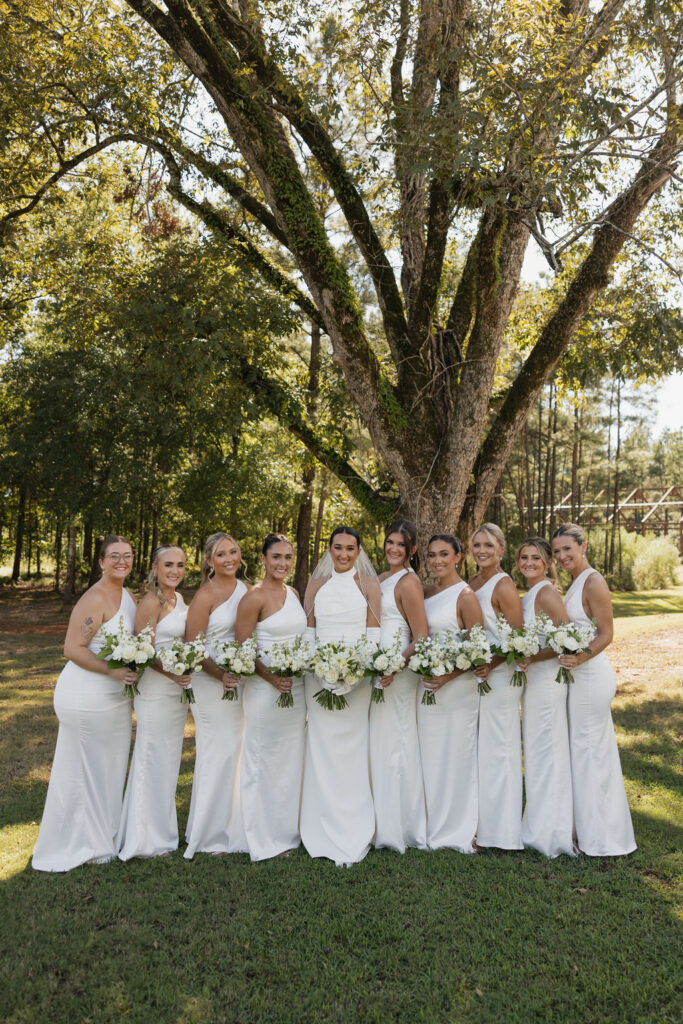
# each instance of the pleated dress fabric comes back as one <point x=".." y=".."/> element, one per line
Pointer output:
<point x="547" y="822"/>
<point x="271" y="768"/>
<point x="602" y="818"/>
<point x="395" y="765"/>
<point x="500" y="746"/>
<point x="215" y="822"/>
<point x="448" y="742"/>
<point x="149" y="823"/>
<point x="337" y="815"/>
<point x="83" y="806"/>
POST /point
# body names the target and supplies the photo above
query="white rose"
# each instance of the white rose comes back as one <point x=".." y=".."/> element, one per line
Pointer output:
<point x="462" y="662"/>
<point x="382" y="662"/>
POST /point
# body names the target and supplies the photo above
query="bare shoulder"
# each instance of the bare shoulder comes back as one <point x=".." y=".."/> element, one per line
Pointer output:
<point x="549" y="600"/>
<point x="150" y="605"/>
<point x="596" y="586"/>
<point x="410" y="584"/>
<point x="254" y="598"/>
<point x="506" y="587"/>
<point x="467" y="597"/>
<point x="204" y="598"/>
<point x="315" y="585"/>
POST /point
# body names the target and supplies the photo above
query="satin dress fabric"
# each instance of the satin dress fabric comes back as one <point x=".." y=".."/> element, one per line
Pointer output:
<point x="215" y="822"/>
<point x="395" y="763"/>
<point x="547" y="822"/>
<point x="149" y="822"/>
<point x="83" y="806"/>
<point x="449" y="741"/>
<point x="500" y="746"/>
<point x="271" y="768"/>
<point x="337" y="814"/>
<point x="602" y="818"/>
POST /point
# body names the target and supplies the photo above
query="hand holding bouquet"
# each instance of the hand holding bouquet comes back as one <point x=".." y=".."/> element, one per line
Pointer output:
<point x="516" y="644"/>
<point x="568" y="638"/>
<point x="124" y="649"/>
<point x="386" y="661"/>
<point x="433" y="658"/>
<point x="340" y="667"/>
<point x="473" y="651"/>
<point x="288" y="660"/>
<point x="238" y="659"/>
<point x="181" y="659"/>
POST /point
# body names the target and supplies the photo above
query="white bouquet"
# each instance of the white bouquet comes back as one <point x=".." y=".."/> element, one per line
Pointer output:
<point x="124" y="649"/>
<point x="340" y="667"/>
<point x="517" y="642"/>
<point x="181" y="658"/>
<point x="239" y="659"/>
<point x="433" y="658"/>
<point x="386" y="661"/>
<point x="568" y="638"/>
<point x="473" y="650"/>
<point x="289" y="660"/>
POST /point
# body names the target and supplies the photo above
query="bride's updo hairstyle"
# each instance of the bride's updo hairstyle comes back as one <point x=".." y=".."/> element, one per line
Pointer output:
<point x="451" y="540"/>
<point x="571" y="530"/>
<point x="212" y="543"/>
<point x="545" y="551"/>
<point x="344" y="529"/>
<point x="408" y="532"/>
<point x="493" y="531"/>
<point x="275" y="538"/>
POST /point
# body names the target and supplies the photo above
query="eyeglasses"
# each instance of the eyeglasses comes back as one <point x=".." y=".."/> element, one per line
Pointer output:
<point x="113" y="557"/>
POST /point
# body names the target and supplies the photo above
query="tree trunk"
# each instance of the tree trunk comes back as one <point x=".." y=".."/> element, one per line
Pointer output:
<point x="58" y="553"/>
<point x="155" y="529"/>
<point x="615" y="503"/>
<point x="19" y="537"/>
<point x="305" y="516"/>
<point x="87" y="542"/>
<point x="319" y="521"/>
<point x="70" y="580"/>
<point x="95" y="570"/>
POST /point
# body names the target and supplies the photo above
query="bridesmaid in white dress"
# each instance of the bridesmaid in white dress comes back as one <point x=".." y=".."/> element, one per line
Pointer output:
<point x="215" y="821"/>
<point x="149" y="823"/>
<point x="395" y="765"/>
<point x="601" y="813"/>
<point x="83" y="805"/>
<point x="547" y="822"/>
<point x="337" y="815"/>
<point x="272" y="763"/>
<point x="500" y="740"/>
<point x="448" y="729"/>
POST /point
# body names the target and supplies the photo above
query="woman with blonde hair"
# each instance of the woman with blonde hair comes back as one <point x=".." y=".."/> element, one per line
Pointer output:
<point x="149" y="822"/>
<point x="548" y="820"/>
<point x="601" y="813"/>
<point x="215" y="821"/>
<point x="500" y="740"/>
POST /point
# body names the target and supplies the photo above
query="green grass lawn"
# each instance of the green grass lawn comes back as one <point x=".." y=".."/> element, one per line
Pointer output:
<point x="427" y="937"/>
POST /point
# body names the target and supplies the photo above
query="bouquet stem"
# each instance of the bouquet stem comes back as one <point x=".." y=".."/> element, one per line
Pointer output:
<point x="428" y="697"/>
<point x="230" y="694"/>
<point x="518" y="678"/>
<point x="285" y="700"/>
<point x="187" y="695"/>
<point x="331" y="701"/>
<point x="377" y="694"/>
<point x="130" y="690"/>
<point x="564" y="675"/>
<point x="483" y="687"/>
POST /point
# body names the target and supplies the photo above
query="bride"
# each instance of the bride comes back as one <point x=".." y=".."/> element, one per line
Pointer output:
<point x="342" y="603"/>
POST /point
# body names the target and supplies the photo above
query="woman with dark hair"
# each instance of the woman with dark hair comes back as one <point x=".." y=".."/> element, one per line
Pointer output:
<point x="601" y="813"/>
<point x="448" y="728"/>
<point x="343" y="604"/>
<point x="395" y="766"/>
<point x="272" y="760"/>
<point x="83" y="806"/>
<point x="548" y="818"/>
<point x="149" y="823"/>
<point x="215" y="821"/>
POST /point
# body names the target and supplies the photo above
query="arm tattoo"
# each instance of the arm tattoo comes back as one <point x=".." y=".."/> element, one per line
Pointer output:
<point x="87" y="629"/>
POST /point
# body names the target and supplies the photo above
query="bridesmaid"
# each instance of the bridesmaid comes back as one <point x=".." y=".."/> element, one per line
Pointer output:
<point x="149" y="824"/>
<point x="500" y="741"/>
<point x="215" y="820"/>
<point x="601" y="814"/>
<point x="337" y="816"/>
<point x="272" y="761"/>
<point x="448" y="729"/>
<point x="395" y="767"/>
<point x="83" y="805"/>
<point x="547" y="822"/>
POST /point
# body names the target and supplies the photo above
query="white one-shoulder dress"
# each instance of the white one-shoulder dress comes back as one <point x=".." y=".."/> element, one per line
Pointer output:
<point x="271" y="768"/>
<point x="448" y="741"/>
<point x="602" y="818"/>
<point x="500" y="746"/>
<point x="149" y="823"/>
<point x="395" y="765"/>
<point x="214" y="824"/>
<point x="83" y="805"/>
<point x="547" y="822"/>
<point x="337" y="815"/>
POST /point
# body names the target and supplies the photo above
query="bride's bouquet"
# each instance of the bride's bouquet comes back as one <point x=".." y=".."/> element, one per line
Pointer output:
<point x="289" y="659"/>
<point x="568" y="638"/>
<point x="515" y="642"/>
<point x="340" y="667"/>
<point x="181" y="659"/>
<point x="239" y="659"/>
<point x="386" y="661"/>
<point x="124" y="649"/>
<point x="433" y="658"/>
